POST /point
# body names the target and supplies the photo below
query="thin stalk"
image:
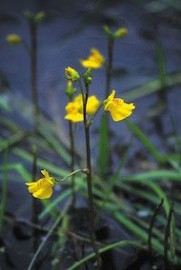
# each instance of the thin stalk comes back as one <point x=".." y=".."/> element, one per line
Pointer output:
<point x="72" y="162"/>
<point x="106" y="248"/>
<point x="167" y="233"/>
<point x="106" y="150"/>
<point x="157" y="210"/>
<point x="89" y="177"/>
<point x="35" y="203"/>
<point x="4" y="189"/>
<point x="33" y="34"/>
<point x="50" y="232"/>
<point x="73" y="174"/>
<point x="109" y="66"/>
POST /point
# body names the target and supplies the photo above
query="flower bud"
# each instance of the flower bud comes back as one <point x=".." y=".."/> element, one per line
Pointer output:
<point x="29" y="16"/>
<point x="70" y="90"/>
<point x="13" y="39"/>
<point x="40" y="16"/>
<point x="88" y="76"/>
<point x="121" y="32"/>
<point x="71" y="74"/>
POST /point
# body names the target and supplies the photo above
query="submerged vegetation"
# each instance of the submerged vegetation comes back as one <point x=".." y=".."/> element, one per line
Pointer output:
<point x="83" y="196"/>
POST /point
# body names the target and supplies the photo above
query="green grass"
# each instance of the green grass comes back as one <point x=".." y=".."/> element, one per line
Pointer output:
<point x="113" y="194"/>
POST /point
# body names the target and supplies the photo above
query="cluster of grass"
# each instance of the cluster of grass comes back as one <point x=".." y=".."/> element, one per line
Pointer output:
<point x="149" y="186"/>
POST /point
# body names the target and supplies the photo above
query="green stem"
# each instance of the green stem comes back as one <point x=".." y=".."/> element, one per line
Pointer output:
<point x="105" y="120"/>
<point x="35" y="205"/>
<point x="109" y="66"/>
<point x="33" y="33"/>
<point x="72" y="174"/>
<point x="89" y="177"/>
<point x="72" y="163"/>
<point x="157" y="210"/>
<point x="119" y="244"/>
<point x="57" y="221"/>
<point x="4" y="189"/>
<point x="167" y="233"/>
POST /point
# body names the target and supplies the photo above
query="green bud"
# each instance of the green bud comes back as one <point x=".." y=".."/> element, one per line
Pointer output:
<point x="108" y="32"/>
<point x="29" y="16"/>
<point x="70" y="90"/>
<point x="120" y="32"/>
<point x="71" y="74"/>
<point x="88" y="76"/>
<point x="40" y="17"/>
<point x="13" y="39"/>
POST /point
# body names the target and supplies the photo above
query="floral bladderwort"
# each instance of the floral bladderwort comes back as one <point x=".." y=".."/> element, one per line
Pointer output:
<point x="74" y="109"/>
<point x="94" y="61"/>
<point x="118" y="109"/>
<point x="43" y="188"/>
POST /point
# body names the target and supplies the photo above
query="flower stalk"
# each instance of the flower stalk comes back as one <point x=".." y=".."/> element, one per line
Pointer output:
<point x="72" y="162"/>
<point x="89" y="176"/>
<point x="35" y="205"/>
<point x="109" y="66"/>
<point x="33" y="54"/>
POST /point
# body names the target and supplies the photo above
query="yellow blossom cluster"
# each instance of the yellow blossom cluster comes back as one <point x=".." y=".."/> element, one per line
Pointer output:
<point x="74" y="109"/>
<point x="118" y="108"/>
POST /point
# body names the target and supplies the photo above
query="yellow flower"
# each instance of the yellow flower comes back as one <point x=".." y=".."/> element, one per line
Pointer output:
<point x="73" y="112"/>
<point x="43" y="188"/>
<point x="94" y="61"/>
<point x="13" y="39"/>
<point x="118" y="109"/>
<point x="71" y="74"/>
<point x="74" y="108"/>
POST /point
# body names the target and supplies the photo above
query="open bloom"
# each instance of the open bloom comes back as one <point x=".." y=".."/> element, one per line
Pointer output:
<point x="118" y="109"/>
<point x="73" y="112"/>
<point x="43" y="188"/>
<point x="74" y="109"/>
<point x="94" y="61"/>
<point x="13" y="39"/>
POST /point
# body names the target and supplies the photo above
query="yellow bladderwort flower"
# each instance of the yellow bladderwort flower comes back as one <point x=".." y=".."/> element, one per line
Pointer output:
<point x="71" y="74"/>
<point x="43" y="188"/>
<point x="118" y="109"/>
<point x="73" y="112"/>
<point x="13" y="39"/>
<point x="92" y="104"/>
<point x="94" y="61"/>
<point x="74" y="109"/>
